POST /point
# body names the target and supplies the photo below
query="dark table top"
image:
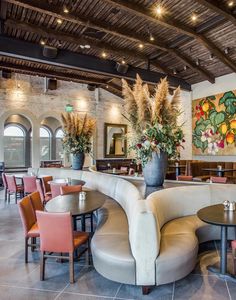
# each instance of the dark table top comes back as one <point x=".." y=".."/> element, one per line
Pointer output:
<point x="216" y="215"/>
<point x="218" y="170"/>
<point x="71" y="203"/>
<point x="117" y="172"/>
<point x="72" y="181"/>
<point x="179" y="166"/>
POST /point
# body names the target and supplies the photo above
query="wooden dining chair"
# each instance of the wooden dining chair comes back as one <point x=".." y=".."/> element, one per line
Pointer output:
<point x="216" y="179"/>
<point x="46" y="186"/>
<point x="57" y="236"/>
<point x="28" y="219"/>
<point x="36" y="201"/>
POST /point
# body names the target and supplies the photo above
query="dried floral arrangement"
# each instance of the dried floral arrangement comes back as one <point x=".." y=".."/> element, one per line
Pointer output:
<point x="153" y="119"/>
<point x="78" y="131"/>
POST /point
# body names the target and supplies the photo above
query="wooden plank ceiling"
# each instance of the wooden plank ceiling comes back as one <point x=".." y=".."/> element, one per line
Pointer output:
<point x="172" y="43"/>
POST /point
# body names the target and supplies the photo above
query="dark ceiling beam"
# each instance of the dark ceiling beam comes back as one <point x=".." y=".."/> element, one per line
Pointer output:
<point x="10" y="47"/>
<point x="184" y="39"/>
<point x="3" y="15"/>
<point x="219" y="8"/>
<point x="101" y="46"/>
<point x="175" y="25"/>
<point x="49" y="73"/>
<point x="57" y="12"/>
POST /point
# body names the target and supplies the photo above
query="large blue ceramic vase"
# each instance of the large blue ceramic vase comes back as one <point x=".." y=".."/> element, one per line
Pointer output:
<point x="154" y="171"/>
<point x="78" y="161"/>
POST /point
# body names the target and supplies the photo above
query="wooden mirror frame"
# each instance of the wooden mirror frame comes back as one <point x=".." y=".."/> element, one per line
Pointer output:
<point x="106" y="125"/>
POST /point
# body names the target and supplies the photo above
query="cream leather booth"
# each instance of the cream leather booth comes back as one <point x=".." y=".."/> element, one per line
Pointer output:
<point x="153" y="241"/>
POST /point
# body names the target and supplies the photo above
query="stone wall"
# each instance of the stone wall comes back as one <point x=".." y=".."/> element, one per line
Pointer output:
<point x="26" y="95"/>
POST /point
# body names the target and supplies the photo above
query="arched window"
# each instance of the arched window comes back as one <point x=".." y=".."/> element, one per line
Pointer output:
<point x="59" y="148"/>
<point x="14" y="146"/>
<point x="45" y="143"/>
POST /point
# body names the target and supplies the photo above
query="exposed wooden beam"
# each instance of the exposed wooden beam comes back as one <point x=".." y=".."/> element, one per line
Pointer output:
<point x="49" y="73"/>
<point x="74" y="61"/>
<point x="56" y="12"/>
<point x="219" y="8"/>
<point x="52" y="34"/>
<point x="3" y="15"/>
<point x="175" y="25"/>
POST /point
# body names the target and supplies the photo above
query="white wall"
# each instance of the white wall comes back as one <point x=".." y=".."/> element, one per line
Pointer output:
<point x="223" y="84"/>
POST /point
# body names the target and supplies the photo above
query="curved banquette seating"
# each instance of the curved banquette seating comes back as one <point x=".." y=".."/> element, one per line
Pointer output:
<point x="179" y="231"/>
<point x="116" y="247"/>
<point x="153" y="241"/>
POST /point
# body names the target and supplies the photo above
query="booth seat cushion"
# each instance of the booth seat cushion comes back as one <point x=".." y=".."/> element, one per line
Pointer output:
<point x="112" y="257"/>
<point x="111" y="219"/>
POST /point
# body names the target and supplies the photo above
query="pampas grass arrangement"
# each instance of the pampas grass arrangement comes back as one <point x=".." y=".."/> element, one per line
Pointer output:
<point x="78" y="131"/>
<point x="153" y="118"/>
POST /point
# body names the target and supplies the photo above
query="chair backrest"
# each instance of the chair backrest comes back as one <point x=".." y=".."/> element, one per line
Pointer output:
<point x="29" y="184"/>
<point x="68" y="189"/>
<point x="4" y="180"/>
<point x="131" y="171"/>
<point x="40" y="190"/>
<point x="11" y="183"/>
<point x="124" y="169"/>
<point x="36" y="201"/>
<point x="56" y="233"/>
<point x="184" y="178"/>
<point x="46" y="185"/>
<point x="56" y="188"/>
<point x="27" y="214"/>
<point x="218" y="179"/>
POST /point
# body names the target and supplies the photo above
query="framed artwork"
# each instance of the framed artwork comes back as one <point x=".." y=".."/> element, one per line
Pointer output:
<point x="214" y="124"/>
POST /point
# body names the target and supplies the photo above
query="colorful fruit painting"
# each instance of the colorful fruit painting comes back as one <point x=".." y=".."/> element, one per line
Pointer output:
<point x="214" y="125"/>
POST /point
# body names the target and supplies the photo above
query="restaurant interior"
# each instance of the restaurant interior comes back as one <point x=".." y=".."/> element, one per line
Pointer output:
<point x="118" y="149"/>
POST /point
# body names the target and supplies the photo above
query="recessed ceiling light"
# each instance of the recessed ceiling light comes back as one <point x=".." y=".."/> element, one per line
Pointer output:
<point x="194" y="17"/>
<point x="141" y="46"/>
<point x="159" y="10"/>
<point x="197" y="62"/>
<point x="185" y="68"/>
<point x="230" y="3"/>
<point x="174" y="71"/>
<point x="123" y="62"/>
<point x="82" y="46"/>
<point x="152" y="38"/>
<point x="59" y="21"/>
<point x="87" y="46"/>
<point x="104" y="55"/>
<point x="42" y="42"/>
<point x="65" y="10"/>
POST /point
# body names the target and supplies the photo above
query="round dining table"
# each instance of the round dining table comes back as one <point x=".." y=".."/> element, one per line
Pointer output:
<point x="216" y="215"/>
<point x="68" y="182"/>
<point x="78" y="208"/>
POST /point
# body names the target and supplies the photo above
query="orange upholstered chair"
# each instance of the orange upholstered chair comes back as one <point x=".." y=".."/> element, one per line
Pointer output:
<point x="13" y="188"/>
<point x="184" y="178"/>
<point x="36" y="202"/>
<point x="217" y="179"/>
<point x="29" y="223"/>
<point x="44" y="198"/>
<point x="56" y="188"/>
<point x="46" y="185"/>
<point x="68" y="189"/>
<point x="57" y="236"/>
<point x="29" y="183"/>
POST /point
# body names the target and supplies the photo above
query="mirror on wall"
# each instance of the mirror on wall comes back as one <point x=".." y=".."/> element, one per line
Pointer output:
<point x="115" y="144"/>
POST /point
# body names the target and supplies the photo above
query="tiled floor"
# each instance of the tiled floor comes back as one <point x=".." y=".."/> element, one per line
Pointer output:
<point x="21" y="282"/>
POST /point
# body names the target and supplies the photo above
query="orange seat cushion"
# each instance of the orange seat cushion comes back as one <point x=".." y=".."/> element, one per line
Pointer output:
<point x="34" y="231"/>
<point x="80" y="238"/>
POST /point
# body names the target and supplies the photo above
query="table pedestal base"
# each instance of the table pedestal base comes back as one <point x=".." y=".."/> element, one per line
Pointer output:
<point x="226" y="276"/>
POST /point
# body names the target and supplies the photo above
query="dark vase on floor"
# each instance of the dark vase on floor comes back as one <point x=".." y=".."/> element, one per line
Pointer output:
<point x="78" y="161"/>
<point x="154" y="171"/>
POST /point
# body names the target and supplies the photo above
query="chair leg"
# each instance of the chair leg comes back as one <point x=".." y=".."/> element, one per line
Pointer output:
<point x="71" y="257"/>
<point x="5" y="195"/>
<point x="42" y="266"/>
<point x="33" y="242"/>
<point x="234" y="260"/>
<point x="89" y="252"/>
<point x="15" y="197"/>
<point x="9" y="199"/>
<point x="26" y="250"/>
<point x="145" y="290"/>
<point x="91" y="220"/>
